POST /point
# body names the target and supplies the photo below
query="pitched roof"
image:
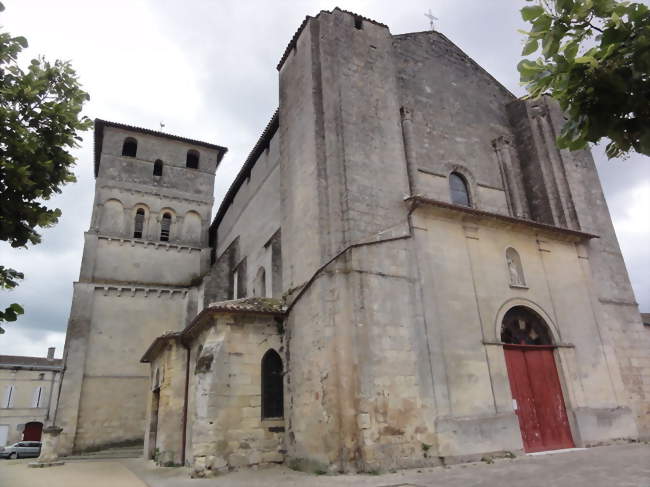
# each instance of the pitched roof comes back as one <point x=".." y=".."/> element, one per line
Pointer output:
<point x="20" y="361"/>
<point x="99" y="139"/>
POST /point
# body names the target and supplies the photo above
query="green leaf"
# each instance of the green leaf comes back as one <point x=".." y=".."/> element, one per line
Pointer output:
<point x="570" y="50"/>
<point x="530" y="47"/>
<point x="531" y="12"/>
<point x="22" y="41"/>
<point x="586" y="60"/>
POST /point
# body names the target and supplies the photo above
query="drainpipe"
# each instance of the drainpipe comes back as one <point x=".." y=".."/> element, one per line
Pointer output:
<point x="185" y="400"/>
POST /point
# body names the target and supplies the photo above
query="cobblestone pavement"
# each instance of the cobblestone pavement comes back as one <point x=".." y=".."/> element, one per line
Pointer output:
<point x="610" y="466"/>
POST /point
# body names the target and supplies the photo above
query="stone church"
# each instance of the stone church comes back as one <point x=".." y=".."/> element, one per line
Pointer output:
<point x="406" y="271"/>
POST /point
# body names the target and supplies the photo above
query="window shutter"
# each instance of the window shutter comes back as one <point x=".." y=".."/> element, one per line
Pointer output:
<point x="38" y="397"/>
<point x="8" y="399"/>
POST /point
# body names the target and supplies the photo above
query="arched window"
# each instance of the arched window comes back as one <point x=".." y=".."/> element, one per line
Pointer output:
<point x="522" y="326"/>
<point x="260" y="283"/>
<point x="138" y="225"/>
<point x="157" y="167"/>
<point x="130" y="147"/>
<point x="272" y="386"/>
<point x="192" y="160"/>
<point x="515" y="269"/>
<point x="458" y="189"/>
<point x="165" y="226"/>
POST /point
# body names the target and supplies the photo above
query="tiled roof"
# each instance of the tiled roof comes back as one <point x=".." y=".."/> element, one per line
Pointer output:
<point x="99" y="139"/>
<point x="294" y="39"/>
<point x="11" y="361"/>
<point x="250" y="305"/>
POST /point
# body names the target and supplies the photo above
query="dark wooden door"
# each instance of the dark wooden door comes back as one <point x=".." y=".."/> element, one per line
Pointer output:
<point x="33" y="431"/>
<point x="538" y="398"/>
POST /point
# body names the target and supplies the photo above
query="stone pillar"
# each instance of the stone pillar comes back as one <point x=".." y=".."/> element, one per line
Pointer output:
<point x="49" y="455"/>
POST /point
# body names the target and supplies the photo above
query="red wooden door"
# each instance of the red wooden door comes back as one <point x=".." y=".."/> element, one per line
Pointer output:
<point x="32" y="431"/>
<point x="537" y="393"/>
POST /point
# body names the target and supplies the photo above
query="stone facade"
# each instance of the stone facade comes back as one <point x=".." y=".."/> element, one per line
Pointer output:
<point x="388" y="293"/>
<point x="28" y="387"/>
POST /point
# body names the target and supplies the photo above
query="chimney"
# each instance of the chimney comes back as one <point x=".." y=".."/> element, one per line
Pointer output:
<point x="50" y="353"/>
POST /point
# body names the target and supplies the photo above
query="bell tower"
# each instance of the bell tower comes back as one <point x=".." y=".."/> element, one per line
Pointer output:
<point x="146" y="247"/>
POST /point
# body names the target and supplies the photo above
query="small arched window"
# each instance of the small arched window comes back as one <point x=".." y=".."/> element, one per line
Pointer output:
<point x="458" y="189"/>
<point x="515" y="269"/>
<point x="130" y="147"/>
<point x="192" y="161"/>
<point x="157" y="167"/>
<point x="272" y="386"/>
<point x="138" y="224"/>
<point x="165" y="226"/>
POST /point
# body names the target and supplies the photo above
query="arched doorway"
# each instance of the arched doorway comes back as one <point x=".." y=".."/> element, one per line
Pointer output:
<point x="534" y="382"/>
<point x="33" y="431"/>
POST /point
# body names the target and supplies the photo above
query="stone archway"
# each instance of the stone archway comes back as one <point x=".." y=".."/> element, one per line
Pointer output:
<point x="534" y="381"/>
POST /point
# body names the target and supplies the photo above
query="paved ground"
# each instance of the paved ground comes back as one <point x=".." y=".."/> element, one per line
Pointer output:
<point x="611" y="466"/>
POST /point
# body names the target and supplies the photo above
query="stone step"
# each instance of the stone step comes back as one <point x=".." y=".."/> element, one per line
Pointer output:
<point x="109" y="453"/>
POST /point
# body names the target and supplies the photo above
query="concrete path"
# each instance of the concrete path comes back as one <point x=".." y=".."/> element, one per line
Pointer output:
<point x="611" y="466"/>
<point x="15" y="473"/>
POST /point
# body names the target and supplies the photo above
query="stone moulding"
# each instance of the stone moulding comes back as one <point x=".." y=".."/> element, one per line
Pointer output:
<point x="132" y="290"/>
<point x="148" y="243"/>
<point x="159" y="194"/>
<point x="498" y="219"/>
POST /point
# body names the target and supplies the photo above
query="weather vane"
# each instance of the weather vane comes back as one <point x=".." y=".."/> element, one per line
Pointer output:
<point x="432" y="18"/>
<point x="162" y="125"/>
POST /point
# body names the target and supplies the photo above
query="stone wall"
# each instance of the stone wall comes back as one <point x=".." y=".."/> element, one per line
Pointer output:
<point x="165" y="403"/>
<point x="447" y="131"/>
<point x="225" y="425"/>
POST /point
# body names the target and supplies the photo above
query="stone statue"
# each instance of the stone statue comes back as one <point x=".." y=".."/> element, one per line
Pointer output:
<point x="515" y="279"/>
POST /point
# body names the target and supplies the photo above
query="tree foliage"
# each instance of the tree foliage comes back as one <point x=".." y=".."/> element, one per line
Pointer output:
<point x="595" y="60"/>
<point x="40" y="119"/>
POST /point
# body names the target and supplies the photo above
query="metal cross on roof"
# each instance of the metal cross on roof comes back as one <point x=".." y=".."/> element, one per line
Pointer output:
<point x="432" y="18"/>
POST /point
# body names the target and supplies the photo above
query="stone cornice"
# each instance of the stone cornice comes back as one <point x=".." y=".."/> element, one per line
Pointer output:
<point x="131" y="290"/>
<point x="506" y="220"/>
<point x="155" y="244"/>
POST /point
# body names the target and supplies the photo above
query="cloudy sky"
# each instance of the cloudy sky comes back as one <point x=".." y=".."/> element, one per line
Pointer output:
<point x="206" y="69"/>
